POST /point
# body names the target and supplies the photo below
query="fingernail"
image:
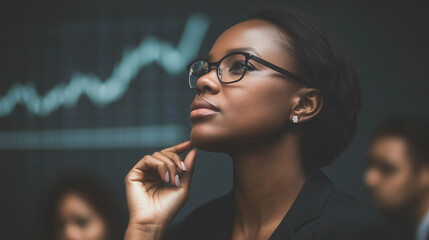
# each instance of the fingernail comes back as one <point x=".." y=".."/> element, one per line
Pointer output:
<point x="167" y="176"/>
<point x="177" y="181"/>
<point x="183" y="165"/>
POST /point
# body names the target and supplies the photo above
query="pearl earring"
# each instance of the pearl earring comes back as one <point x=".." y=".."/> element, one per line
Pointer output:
<point x="295" y="119"/>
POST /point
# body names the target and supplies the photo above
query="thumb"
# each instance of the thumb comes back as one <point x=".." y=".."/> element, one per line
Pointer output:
<point x="186" y="177"/>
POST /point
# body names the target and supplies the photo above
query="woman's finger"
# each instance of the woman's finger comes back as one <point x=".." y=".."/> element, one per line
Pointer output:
<point x="190" y="164"/>
<point x="171" y="164"/>
<point x="181" y="147"/>
<point x="150" y="162"/>
<point x="176" y="158"/>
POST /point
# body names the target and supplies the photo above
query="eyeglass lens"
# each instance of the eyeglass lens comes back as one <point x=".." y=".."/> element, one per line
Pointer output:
<point x="231" y="68"/>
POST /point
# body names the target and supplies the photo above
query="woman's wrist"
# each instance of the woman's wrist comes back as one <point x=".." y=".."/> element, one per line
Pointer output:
<point x="146" y="231"/>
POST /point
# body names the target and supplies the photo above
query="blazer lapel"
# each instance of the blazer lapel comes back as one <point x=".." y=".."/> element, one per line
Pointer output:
<point x="307" y="206"/>
<point x="283" y="231"/>
<point x="221" y="227"/>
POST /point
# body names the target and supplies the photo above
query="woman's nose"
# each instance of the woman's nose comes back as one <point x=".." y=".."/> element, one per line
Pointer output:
<point x="209" y="82"/>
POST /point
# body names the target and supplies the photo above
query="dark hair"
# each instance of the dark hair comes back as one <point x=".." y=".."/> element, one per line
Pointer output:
<point x="323" y="61"/>
<point x="93" y="191"/>
<point x="414" y="131"/>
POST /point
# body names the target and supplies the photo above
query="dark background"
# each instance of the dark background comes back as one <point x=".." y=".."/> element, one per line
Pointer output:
<point x="44" y="44"/>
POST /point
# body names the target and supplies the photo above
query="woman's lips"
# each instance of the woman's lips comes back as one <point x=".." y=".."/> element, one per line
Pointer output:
<point x="202" y="112"/>
<point x="201" y="107"/>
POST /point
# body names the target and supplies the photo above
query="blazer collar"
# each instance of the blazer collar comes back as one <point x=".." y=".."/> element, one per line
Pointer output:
<point x="307" y="206"/>
<point x="310" y="201"/>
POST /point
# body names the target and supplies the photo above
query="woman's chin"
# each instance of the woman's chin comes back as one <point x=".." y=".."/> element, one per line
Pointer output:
<point x="207" y="141"/>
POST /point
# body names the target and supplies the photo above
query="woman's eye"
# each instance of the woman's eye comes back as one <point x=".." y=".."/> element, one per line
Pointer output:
<point x="242" y="66"/>
<point x="204" y="71"/>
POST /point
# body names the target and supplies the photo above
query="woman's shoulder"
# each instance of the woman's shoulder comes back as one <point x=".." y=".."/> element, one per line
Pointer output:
<point x="341" y="203"/>
<point x="347" y="216"/>
<point x="322" y="211"/>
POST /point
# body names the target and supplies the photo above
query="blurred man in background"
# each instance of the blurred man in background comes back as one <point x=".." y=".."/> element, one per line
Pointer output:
<point x="397" y="173"/>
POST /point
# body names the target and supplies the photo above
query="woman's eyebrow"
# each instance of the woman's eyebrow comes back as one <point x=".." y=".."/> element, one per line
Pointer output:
<point x="245" y="49"/>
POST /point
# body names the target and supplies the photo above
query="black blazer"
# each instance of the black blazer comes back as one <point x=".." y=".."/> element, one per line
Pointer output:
<point x="320" y="211"/>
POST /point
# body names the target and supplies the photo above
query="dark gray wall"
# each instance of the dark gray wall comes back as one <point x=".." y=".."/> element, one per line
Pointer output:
<point x="44" y="44"/>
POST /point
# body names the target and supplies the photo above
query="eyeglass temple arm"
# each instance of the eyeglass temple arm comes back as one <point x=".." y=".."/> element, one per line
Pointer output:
<point x="278" y="69"/>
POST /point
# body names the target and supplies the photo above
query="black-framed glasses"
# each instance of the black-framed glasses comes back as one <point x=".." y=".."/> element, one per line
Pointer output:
<point x="231" y="68"/>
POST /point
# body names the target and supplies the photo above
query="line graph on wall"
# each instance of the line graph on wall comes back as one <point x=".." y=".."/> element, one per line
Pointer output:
<point x="162" y="59"/>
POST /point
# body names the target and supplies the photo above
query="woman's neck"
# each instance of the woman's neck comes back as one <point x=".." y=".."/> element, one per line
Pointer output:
<point x="266" y="182"/>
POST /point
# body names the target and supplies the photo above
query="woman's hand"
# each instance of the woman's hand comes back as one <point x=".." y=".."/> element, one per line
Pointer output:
<point x="152" y="206"/>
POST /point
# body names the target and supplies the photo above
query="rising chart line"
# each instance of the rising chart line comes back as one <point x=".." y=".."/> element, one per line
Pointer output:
<point x="151" y="49"/>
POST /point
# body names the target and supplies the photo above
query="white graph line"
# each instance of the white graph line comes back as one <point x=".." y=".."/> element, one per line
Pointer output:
<point x="91" y="138"/>
<point x="151" y="49"/>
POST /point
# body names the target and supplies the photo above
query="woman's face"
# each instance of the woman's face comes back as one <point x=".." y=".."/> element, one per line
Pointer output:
<point x="78" y="220"/>
<point x="255" y="109"/>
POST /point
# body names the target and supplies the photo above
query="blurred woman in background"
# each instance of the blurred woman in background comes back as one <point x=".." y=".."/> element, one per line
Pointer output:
<point x="80" y="207"/>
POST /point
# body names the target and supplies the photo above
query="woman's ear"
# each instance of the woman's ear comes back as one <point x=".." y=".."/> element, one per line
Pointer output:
<point x="308" y="105"/>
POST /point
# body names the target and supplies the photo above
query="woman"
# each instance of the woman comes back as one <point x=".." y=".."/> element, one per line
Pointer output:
<point x="279" y="94"/>
<point x="80" y="207"/>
